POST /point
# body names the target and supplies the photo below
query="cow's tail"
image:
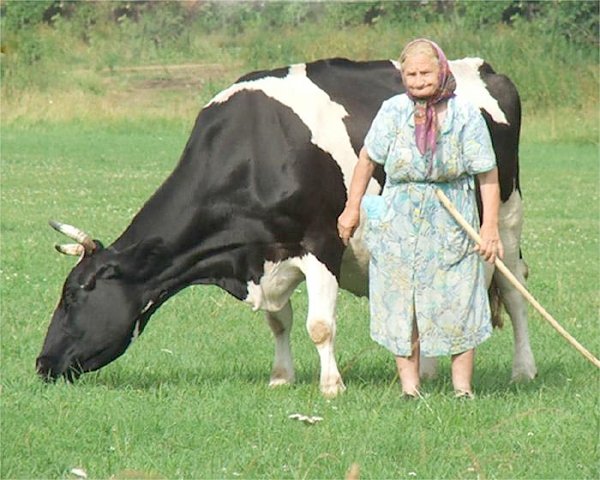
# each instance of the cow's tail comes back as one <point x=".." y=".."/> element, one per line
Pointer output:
<point x="495" y="296"/>
<point x="495" y="304"/>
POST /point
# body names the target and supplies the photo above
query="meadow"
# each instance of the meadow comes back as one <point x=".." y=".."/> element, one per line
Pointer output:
<point x="190" y="399"/>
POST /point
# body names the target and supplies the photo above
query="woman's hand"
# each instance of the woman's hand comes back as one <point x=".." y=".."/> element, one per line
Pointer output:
<point x="350" y="218"/>
<point x="491" y="246"/>
<point x="348" y="223"/>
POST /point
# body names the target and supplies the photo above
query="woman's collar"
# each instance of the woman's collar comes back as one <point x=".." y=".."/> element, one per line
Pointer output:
<point x="447" y="124"/>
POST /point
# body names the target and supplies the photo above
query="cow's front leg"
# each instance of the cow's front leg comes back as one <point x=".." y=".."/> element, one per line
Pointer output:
<point x="322" y="289"/>
<point x="281" y="325"/>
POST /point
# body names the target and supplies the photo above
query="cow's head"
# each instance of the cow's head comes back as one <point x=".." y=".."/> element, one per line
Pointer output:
<point x="105" y="302"/>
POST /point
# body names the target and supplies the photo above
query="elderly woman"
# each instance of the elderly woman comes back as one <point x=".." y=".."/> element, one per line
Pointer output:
<point x="427" y="288"/>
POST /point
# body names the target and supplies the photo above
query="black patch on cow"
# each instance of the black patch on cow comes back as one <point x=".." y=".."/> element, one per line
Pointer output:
<point x="505" y="138"/>
<point x="250" y="187"/>
<point x="277" y="73"/>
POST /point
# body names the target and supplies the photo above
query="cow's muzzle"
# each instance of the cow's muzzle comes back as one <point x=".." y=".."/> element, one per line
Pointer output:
<point x="48" y="371"/>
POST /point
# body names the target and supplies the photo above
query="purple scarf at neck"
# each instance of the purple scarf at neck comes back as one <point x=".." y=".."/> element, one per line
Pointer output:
<point x="426" y="122"/>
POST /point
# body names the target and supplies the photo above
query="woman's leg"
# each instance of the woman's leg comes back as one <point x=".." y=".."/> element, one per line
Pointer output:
<point x="408" y="367"/>
<point x="462" y="371"/>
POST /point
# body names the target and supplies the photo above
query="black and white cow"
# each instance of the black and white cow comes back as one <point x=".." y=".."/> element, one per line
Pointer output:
<point x="252" y="207"/>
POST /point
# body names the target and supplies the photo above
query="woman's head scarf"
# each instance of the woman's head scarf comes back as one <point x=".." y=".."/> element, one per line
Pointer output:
<point x="424" y="112"/>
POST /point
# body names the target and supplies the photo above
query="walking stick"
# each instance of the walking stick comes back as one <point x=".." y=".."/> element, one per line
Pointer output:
<point x="512" y="279"/>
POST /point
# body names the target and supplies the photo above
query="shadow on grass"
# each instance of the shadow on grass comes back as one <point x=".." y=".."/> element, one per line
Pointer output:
<point x="374" y="372"/>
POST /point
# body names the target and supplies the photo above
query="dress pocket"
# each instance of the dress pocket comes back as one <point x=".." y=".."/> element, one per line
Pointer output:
<point x="375" y="208"/>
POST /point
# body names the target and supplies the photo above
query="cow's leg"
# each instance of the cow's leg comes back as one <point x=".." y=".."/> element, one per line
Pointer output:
<point x="523" y="362"/>
<point x="428" y="367"/>
<point x="322" y="289"/>
<point x="511" y="218"/>
<point x="281" y="325"/>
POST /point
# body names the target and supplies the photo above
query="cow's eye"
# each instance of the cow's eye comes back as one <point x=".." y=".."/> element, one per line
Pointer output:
<point x="69" y="297"/>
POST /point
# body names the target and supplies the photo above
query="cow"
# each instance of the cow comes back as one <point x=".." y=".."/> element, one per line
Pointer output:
<point x="252" y="207"/>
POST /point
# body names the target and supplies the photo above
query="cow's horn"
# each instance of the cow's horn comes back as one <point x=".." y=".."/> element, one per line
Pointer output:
<point x="76" y="234"/>
<point x="74" y="249"/>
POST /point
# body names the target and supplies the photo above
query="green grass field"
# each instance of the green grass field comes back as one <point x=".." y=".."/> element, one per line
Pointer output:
<point x="96" y="109"/>
<point x="190" y="398"/>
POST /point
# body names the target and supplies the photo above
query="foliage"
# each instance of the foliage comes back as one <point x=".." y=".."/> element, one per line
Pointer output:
<point x="485" y="14"/>
<point x="575" y="21"/>
<point x="22" y="15"/>
<point x="79" y="49"/>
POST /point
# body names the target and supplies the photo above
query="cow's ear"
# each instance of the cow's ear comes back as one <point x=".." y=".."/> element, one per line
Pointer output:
<point x="142" y="260"/>
<point x="108" y="270"/>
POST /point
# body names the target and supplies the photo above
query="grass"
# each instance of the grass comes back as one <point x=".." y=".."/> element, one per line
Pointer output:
<point x="86" y="139"/>
<point x="189" y="399"/>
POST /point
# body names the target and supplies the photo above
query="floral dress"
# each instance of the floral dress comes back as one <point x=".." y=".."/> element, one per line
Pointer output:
<point x="422" y="263"/>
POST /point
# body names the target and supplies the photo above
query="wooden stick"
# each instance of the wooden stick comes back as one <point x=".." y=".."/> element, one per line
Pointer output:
<point x="512" y="279"/>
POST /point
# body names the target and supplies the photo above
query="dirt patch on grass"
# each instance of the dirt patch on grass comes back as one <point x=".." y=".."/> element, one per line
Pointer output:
<point x="169" y="77"/>
<point x="157" y="91"/>
<point x="158" y="86"/>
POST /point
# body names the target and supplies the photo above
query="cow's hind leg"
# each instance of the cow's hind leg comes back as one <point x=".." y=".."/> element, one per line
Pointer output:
<point x="511" y="218"/>
<point x="428" y="367"/>
<point x="281" y="325"/>
<point x="523" y="362"/>
<point x="322" y="289"/>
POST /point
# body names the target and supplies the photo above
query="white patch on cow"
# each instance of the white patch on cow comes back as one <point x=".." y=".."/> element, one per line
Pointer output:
<point x="275" y="286"/>
<point x="272" y="293"/>
<point x="136" y="332"/>
<point x="147" y="307"/>
<point x="280" y="279"/>
<point x="136" y="328"/>
<point x="469" y="85"/>
<point x="323" y="117"/>
<point x="322" y="290"/>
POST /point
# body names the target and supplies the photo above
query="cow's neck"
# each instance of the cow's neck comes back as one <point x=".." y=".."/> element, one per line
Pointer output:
<point x="202" y="242"/>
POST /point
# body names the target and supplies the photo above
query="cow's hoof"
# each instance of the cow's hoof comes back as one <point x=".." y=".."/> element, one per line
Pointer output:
<point x="281" y="376"/>
<point x="278" y="382"/>
<point x="333" y="390"/>
<point x="523" y="373"/>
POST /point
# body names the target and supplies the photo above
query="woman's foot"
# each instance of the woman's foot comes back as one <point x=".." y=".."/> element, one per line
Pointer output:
<point x="408" y="367"/>
<point x="409" y="396"/>
<point x="462" y="371"/>
<point x="408" y="371"/>
<point x="464" y="395"/>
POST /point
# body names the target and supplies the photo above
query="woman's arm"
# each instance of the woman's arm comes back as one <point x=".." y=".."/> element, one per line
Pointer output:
<point x="491" y="245"/>
<point x="349" y="219"/>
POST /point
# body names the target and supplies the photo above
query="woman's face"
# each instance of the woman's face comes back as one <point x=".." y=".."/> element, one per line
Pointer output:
<point x="421" y="75"/>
